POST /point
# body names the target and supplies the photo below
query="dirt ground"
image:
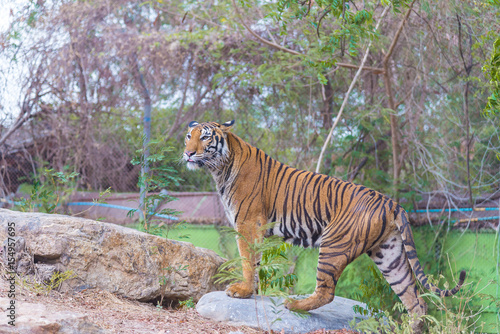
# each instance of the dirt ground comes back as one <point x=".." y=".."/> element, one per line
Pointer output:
<point x="120" y="315"/>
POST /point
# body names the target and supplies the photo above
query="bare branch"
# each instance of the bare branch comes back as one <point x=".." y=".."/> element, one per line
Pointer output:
<point x="23" y="117"/>
<point x="398" y="33"/>
<point x="375" y="70"/>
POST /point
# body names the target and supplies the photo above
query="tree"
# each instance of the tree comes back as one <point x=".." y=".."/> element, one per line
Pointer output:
<point x="282" y="70"/>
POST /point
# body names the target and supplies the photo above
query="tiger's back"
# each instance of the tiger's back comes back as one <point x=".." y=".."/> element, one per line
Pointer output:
<point x="303" y="203"/>
<point x="343" y="219"/>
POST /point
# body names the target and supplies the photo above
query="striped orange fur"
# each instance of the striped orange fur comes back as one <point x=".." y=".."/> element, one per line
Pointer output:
<point x="343" y="219"/>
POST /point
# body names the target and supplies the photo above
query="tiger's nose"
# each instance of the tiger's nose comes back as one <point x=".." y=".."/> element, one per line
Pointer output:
<point x="189" y="153"/>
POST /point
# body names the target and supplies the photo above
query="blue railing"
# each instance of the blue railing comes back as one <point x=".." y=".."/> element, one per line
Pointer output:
<point x="105" y="205"/>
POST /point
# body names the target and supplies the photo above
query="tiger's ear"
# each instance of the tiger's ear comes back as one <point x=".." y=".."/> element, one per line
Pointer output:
<point x="226" y="126"/>
<point x="193" y="124"/>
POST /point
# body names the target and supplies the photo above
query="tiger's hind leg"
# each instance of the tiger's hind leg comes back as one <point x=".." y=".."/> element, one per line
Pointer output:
<point x="390" y="257"/>
<point x="333" y="258"/>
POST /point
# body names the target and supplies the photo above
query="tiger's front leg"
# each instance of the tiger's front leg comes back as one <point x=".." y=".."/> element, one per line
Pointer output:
<point x="331" y="263"/>
<point x="243" y="289"/>
<point x="248" y="233"/>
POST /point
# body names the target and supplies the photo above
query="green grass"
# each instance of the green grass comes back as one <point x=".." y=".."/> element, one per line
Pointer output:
<point x="205" y="236"/>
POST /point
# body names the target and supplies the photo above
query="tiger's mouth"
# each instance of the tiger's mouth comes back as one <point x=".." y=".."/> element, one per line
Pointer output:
<point x="193" y="162"/>
<point x="201" y="160"/>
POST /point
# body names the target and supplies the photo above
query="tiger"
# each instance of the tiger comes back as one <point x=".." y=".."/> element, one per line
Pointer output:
<point x="343" y="219"/>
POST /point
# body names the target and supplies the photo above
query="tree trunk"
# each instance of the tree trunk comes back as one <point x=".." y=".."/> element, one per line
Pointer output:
<point x="390" y="95"/>
<point x="394" y="130"/>
<point x="327" y="105"/>
<point x="145" y="141"/>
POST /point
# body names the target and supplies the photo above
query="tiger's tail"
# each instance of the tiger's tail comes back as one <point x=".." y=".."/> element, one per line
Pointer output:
<point x="403" y="224"/>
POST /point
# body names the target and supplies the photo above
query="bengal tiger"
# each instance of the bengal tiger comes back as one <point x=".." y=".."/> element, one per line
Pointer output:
<point x="343" y="219"/>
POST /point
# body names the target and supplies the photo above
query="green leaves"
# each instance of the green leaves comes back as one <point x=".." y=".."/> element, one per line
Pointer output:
<point x="273" y="262"/>
<point x="362" y="16"/>
<point x="492" y="72"/>
<point x="376" y="293"/>
<point x="339" y="26"/>
<point x="322" y="79"/>
<point x="161" y="175"/>
<point x="50" y="188"/>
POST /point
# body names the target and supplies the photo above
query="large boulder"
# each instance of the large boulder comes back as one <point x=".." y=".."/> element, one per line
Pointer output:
<point x="112" y="257"/>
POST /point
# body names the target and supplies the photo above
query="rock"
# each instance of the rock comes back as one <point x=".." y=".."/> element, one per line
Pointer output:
<point x="36" y="318"/>
<point x="23" y="263"/>
<point x="44" y="272"/>
<point x="115" y="258"/>
<point x="272" y="313"/>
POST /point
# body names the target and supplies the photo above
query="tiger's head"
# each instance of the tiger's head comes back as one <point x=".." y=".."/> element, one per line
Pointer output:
<point x="206" y="144"/>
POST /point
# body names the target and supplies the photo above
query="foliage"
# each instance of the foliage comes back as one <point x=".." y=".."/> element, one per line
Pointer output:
<point x="188" y="303"/>
<point x="272" y="263"/>
<point x="157" y="177"/>
<point x="377" y="294"/>
<point x="53" y="283"/>
<point x="50" y="189"/>
<point x="273" y="280"/>
<point x="443" y="319"/>
<point x="492" y="69"/>
<point x="270" y="269"/>
<point x="167" y="276"/>
<point x="160" y="176"/>
<point x="347" y="25"/>
<point x="386" y="322"/>
<point x="198" y="61"/>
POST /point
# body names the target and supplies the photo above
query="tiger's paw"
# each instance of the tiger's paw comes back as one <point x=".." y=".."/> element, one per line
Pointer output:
<point x="307" y="304"/>
<point x="296" y="305"/>
<point x="239" y="290"/>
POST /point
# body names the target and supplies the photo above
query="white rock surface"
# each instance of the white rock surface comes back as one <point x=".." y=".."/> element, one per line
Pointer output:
<point x="261" y="312"/>
<point x="37" y="318"/>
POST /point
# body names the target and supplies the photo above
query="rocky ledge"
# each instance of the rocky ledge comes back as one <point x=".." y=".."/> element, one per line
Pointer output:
<point x="117" y="259"/>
